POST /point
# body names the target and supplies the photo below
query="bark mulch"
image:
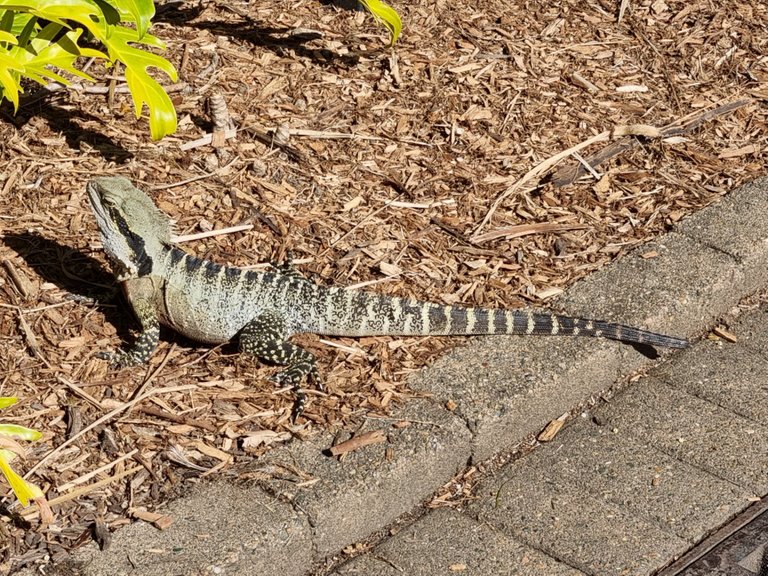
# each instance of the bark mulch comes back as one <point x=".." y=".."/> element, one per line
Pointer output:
<point x="503" y="150"/>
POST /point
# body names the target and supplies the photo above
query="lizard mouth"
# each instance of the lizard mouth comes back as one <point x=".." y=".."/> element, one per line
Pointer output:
<point x="97" y="204"/>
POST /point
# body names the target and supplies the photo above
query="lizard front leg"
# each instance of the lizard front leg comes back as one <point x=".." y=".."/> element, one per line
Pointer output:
<point x="265" y="338"/>
<point x="140" y="292"/>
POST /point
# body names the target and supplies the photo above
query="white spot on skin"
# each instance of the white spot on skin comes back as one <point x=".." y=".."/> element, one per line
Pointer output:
<point x="531" y="324"/>
<point x="555" y="326"/>
<point x="471" y="318"/>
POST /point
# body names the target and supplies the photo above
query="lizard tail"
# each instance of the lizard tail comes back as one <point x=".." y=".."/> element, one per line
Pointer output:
<point x="366" y="314"/>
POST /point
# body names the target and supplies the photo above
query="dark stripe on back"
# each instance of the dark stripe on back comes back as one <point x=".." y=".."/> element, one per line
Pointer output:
<point x="566" y="324"/>
<point x="339" y="303"/>
<point x="521" y="322"/>
<point x="411" y="308"/>
<point x="582" y="326"/>
<point x="252" y="277"/>
<point x="232" y="274"/>
<point x="211" y="270"/>
<point x="542" y="324"/>
<point x="360" y="302"/>
<point x="616" y="331"/>
<point x="481" y="321"/>
<point x="192" y="264"/>
<point x="458" y="320"/>
<point x="385" y="307"/>
<point x="437" y="318"/>
<point x="176" y="256"/>
<point x="500" y="322"/>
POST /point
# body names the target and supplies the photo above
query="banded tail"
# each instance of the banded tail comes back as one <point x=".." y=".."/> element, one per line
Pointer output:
<point x="354" y="313"/>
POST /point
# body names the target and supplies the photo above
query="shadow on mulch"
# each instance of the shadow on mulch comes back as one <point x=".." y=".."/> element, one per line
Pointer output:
<point x="86" y="278"/>
<point x="38" y="105"/>
<point x="73" y="272"/>
<point x="280" y="40"/>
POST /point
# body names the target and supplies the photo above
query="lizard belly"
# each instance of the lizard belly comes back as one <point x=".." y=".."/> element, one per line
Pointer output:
<point x="196" y="317"/>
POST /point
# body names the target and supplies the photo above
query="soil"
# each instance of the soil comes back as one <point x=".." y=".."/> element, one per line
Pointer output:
<point x="405" y="171"/>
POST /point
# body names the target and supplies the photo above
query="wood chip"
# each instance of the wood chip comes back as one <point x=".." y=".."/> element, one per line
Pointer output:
<point x="264" y="438"/>
<point x="159" y="521"/>
<point x="551" y="429"/>
<point x="741" y="151"/>
<point x="725" y="334"/>
<point x="26" y="288"/>
<point x="212" y="451"/>
<point x="357" y="442"/>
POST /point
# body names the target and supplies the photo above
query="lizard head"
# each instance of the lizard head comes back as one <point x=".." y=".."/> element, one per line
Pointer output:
<point x="133" y="230"/>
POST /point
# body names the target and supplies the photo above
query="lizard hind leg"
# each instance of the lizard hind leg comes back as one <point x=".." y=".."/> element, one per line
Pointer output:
<point x="265" y="338"/>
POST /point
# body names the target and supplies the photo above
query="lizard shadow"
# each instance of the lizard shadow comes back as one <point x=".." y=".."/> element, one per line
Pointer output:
<point x="86" y="278"/>
<point x="74" y="272"/>
<point x="645" y="349"/>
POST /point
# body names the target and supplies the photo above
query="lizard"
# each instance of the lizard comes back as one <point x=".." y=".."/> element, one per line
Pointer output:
<point x="213" y="303"/>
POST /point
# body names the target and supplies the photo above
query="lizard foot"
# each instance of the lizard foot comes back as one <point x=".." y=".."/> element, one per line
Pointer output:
<point x="293" y="375"/>
<point x="119" y="359"/>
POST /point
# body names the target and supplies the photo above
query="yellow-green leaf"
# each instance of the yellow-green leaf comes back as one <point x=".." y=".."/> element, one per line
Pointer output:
<point x="387" y="16"/>
<point x="6" y="401"/>
<point x="7" y="37"/>
<point x="25" y="491"/>
<point x="140" y="12"/>
<point x="15" y="431"/>
<point x="144" y="89"/>
<point x="49" y="48"/>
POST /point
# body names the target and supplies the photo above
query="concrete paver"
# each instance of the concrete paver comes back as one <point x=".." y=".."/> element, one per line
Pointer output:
<point x="506" y="387"/>
<point x="447" y="542"/>
<point x="695" y="431"/>
<point x="750" y="328"/>
<point x="737" y="225"/>
<point x="199" y="541"/>
<point x="638" y="478"/>
<point x="370" y="488"/>
<point x="566" y="523"/>
<point x="729" y="375"/>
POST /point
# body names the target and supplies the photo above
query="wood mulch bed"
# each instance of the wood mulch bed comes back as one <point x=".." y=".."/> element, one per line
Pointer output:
<point x="504" y="150"/>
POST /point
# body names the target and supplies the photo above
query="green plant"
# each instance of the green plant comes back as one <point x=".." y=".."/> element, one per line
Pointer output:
<point x="9" y="450"/>
<point x="385" y="15"/>
<point x="38" y="38"/>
